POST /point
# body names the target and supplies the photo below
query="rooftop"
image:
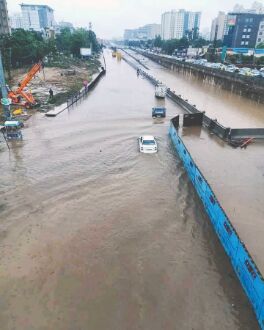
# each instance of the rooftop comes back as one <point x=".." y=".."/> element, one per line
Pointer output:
<point x="33" y="5"/>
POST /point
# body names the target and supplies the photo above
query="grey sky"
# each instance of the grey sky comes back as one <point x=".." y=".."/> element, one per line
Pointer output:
<point x="111" y="17"/>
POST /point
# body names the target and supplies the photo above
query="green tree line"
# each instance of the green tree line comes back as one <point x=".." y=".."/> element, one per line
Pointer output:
<point x="27" y="47"/>
<point x="169" y="46"/>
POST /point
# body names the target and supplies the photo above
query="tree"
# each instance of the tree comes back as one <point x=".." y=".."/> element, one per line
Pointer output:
<point x="260" y="45"/>
<point x="63" y="40"/>
<point x="27" y="47"/>
<point x="158" y="42"/>
<point x="199" y="43"/>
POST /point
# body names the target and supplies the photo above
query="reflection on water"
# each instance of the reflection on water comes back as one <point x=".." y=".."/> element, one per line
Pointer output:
<point x="95" y="235"/>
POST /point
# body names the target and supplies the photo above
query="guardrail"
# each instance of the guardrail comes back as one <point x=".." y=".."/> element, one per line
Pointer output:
<point x="76" y="97"/>
<point x="225" y="133"/>
<point x="251" y="87"/>
<point x="244" y="266"/>
<point x="84" y="91"/>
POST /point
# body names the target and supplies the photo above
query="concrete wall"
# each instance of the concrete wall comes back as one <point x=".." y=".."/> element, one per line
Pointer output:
<point x="249" y="87"/>
<point x="243" y="264"/>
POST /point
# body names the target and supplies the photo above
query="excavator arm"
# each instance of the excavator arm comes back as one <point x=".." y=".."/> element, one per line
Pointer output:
<point x="33" y="71"/>
<point x="19" y="93"/>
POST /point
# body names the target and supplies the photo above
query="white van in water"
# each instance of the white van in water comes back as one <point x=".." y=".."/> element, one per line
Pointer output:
<point x="160" y="91"/>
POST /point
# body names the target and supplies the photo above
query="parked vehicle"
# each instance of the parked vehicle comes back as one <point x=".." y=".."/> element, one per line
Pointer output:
<point x="159" y="112"/>
<point x="147" y="144"/>
<point x="12" y="129"/>
<point x="255" y="73"/>
<point x="160" y="91"/>
<point x="232" y="68"/>
<point x="245" y="72"/>
<point x="262" y="72"/>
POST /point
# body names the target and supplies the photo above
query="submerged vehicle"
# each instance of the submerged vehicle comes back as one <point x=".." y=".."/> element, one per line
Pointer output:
<point x="160" y="91"/>
<point x="158" y="112"/>
<point x="12" y="129"/>
<point x="147" y="144"/>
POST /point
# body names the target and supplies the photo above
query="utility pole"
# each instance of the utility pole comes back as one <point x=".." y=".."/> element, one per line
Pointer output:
<point x="5" y="100"/>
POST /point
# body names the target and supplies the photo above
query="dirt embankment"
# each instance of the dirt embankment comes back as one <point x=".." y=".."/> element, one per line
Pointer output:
<point x="64" y="77"/>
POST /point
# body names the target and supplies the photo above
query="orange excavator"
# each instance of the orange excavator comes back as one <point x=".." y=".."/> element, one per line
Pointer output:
<point x="19" y="94"/>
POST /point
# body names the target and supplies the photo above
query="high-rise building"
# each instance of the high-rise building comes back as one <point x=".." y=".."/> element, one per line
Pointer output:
<point x="4" y="22"/>
<point x="219" y="26"/>
<point x="243" y="29"/>
<point x="37" y="17"/>
<point x="177" y="24"/>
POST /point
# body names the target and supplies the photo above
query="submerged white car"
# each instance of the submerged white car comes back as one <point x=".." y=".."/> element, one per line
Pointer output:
<point x="147" y="144"/>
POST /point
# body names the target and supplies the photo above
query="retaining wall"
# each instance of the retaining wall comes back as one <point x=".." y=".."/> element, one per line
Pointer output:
<point x="250" y="87"/>
<point x="243" y="264"/>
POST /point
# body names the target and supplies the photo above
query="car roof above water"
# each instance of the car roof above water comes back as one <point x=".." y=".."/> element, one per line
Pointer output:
<point x="148" y="137"/>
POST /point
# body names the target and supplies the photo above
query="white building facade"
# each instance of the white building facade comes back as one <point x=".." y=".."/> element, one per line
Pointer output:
<point x="37" y="17"/>
<point x="219" y="26"/>
<point x="176" y="24"/>
<point x="146" y="32"/>
<point x="260" y="37"/>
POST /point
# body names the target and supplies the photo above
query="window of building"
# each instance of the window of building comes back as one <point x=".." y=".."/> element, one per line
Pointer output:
<point x="249" y="30"/>
<point x="246" y="42"/>
<point x="248" y="36"/>
<point x="262" y="26"/>
<point x="260" y="33"/>
<point x="259" y="39"/>
<point x="243" y="36"/>
<point x="244" y="30"/>
<point x="242" y="43"/>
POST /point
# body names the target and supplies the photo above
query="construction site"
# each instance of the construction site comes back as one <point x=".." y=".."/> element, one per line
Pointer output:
<point x="43" y="86"/>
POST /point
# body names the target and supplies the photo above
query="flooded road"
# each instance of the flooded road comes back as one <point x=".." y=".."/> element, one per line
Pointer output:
<point x="94" y="235"/>
<point x="231" y="110"/>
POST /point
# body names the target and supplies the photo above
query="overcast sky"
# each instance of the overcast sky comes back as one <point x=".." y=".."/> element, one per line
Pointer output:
<point x="110" y="17"/>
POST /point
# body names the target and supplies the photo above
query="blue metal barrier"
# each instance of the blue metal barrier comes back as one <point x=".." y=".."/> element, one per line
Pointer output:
<point x="243" y="264"/>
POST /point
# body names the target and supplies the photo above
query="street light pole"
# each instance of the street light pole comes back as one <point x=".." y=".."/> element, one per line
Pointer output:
<point x="4" y="101"/>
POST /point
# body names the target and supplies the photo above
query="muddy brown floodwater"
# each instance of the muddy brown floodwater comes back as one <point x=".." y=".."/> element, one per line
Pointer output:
<point x="94" y="235"/>
<point x="230" y="109"/>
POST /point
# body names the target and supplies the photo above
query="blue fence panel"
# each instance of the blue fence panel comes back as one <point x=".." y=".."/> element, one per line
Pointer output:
<point x="261" y="316"/>
<point x="200" y="184"/>
<point x="250" y="278"/>
<point x="227" y="235"/>
<point x="212" y="207"/>
<point x="244" y="267"/>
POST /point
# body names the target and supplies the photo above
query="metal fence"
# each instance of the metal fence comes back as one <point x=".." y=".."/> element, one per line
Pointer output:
<point x="84" y="91"/>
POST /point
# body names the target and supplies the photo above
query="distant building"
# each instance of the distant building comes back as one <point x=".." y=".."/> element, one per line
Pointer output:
<point x="256" y="8"/>
<point x="146" y="32"/>
<point x="177" y="24"/>
<point x="63" y="25"/>
<point x="260" y="36"/>
<point x="219" y="26"/>
<point x="243" y="29"/>
<point x="16" y="22"/>
<point x="129" y="34"/>
<point x="48" y="33"/>
<point x="37" y="17"/>
<point x="4" y="21"/>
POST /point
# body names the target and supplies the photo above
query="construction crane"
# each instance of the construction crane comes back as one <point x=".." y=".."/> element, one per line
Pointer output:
<point x="19" y="93"/>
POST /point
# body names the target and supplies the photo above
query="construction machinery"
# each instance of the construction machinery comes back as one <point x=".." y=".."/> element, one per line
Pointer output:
<point x="19" y="94"/>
